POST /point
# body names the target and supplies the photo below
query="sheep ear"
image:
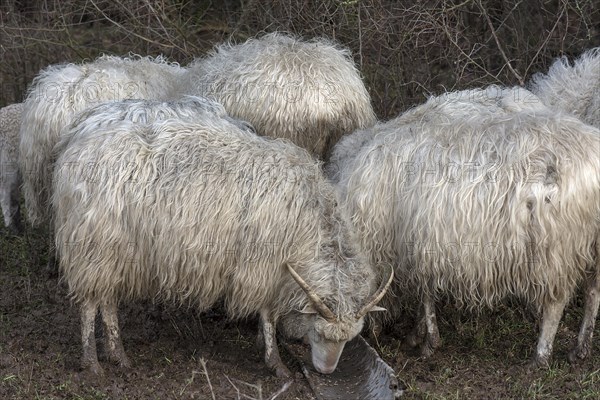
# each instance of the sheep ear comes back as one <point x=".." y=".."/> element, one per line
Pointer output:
<point x="308" y="309"/>
<point x="377" y="308"/>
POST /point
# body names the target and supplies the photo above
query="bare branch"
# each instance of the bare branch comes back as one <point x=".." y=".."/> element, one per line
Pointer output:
<point x="506" y="60"/>
<point x="543" y="45"/>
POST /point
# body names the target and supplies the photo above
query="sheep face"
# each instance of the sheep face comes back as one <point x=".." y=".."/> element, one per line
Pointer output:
<point x="327" y="332"/>
<point x="326" y="338"/>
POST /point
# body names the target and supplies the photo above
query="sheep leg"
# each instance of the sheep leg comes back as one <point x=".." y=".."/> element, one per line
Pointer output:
<point x="552" y="314"/>
<point x="89" y="359"/>
<point x="15" y="209"/>
<point x="113" y="343"/>
<point x="592" y="301"/>
<point x="10" y="210"/>
<point x="17" y="226"/>
<point x="260" y="338"/>
<point x="416" y="336"/>
<point x="432" y="336"/>
<point x="272" y="357"/>
<point x="9" y="198"/>
<point x="5" y="204"/>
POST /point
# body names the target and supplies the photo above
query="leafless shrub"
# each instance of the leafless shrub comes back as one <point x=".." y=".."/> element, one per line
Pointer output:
<point x="410" y="49"/>
<point x="406" y="50"/>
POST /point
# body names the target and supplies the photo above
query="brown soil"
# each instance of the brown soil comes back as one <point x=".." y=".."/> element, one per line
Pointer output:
<point x="483" y="356"/>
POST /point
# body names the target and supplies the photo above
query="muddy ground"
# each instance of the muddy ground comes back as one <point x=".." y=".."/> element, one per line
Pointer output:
<point x="178" y="354"/>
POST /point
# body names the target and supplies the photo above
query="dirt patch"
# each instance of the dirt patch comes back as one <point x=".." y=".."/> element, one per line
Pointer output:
<point x="173" y="350"/>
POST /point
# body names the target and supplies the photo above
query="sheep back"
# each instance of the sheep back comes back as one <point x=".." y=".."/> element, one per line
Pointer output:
<point x="574" y="88"/>
<point x="479" y="194"/>
<point x="60" y="91"/>
<point x="197" y="210"/>
<point x="307" y="91"/>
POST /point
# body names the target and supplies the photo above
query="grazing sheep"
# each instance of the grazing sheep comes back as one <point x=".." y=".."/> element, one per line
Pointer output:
<point x="479" y="195"/>
<point x="197" y="210"/>
<point x="576" y="89"/>
<point x="60" y="91"/>
<point x="10" y="177"/>
<point x="307" y="91"/>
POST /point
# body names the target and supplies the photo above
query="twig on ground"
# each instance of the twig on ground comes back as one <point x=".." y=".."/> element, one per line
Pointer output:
<point x="282" y="390"/>
<point x="258" y="389"/>
<point x="205" y="371"/>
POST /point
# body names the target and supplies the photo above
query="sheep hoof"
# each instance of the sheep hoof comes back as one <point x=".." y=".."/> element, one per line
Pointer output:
<point x="260" y="341"/>
<point x="578" y="354"/>
<point x="16" y="230"/>
<point x="426" y="350"/>
<point x="539" y="363"/>
<point x="283" y="372"/>
<point x="413" y="340"/>
<point x="119" y="358"/>
<point x="93" y="368"/>
<point x="124" y="363"/>
<point x="429" y="345"/>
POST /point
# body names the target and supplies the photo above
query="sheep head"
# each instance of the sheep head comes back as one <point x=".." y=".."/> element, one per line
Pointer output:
<point x="326" y="332"/>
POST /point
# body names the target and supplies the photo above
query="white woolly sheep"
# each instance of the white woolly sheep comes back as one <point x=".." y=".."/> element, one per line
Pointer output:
<point x="346" y="148"/>
<point x="197" y="210"/>
<point x="60" y="91"/>
<point x="307" y="91"/>
<point x="572" y="88"/>
<point x="479" y="195"/>
<point x="576" y="89"/>
<point x="136" y="111"/>
<point x="10" y="176"/>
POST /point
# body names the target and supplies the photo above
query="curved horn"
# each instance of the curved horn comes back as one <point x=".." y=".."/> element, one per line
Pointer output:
<point x="378" y="295"/>
<point x="314" y="298"/>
